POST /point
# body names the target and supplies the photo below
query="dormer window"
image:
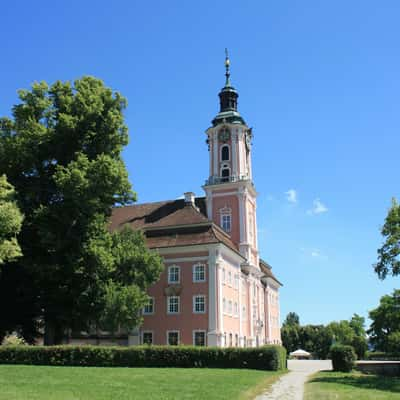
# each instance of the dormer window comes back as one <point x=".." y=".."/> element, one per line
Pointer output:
<point x="225" y="153"/>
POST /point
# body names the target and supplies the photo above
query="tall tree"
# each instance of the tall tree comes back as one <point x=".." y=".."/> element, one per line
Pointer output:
<point x="385" y="321"/>
<point x="291" y="319"/>
<point x="389" y="253"/>
<point x="62" y="152"/>
<point x="10" y="222"/>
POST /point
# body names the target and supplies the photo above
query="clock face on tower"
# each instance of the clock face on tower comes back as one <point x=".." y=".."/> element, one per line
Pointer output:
<point x="224" y="135"/>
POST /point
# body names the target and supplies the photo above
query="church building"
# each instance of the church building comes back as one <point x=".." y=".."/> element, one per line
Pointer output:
<point x="215" y="289"/>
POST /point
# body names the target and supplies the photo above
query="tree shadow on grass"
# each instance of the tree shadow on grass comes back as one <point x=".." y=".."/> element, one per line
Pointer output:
<point x="387" y="384"/>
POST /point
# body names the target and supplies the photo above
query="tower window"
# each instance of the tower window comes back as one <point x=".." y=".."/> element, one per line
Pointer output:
<point x="225" y="153"/>
<point x="225" y="173"/>
<point x="226" y="222"/>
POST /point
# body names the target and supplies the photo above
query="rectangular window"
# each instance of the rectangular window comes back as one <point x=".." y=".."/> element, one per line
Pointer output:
<point x="173" y="338"/>
<point x="147" y="337"/>
<point x="236" y="281"/>
<point x="199" y="304"/>
<point x="230" y="307"/>
<point x="149" y="307"/>
<point x="230" y="278"/>
<point x="226" y="222"/>
<point x="173" y="274"/>
<point x="199" y="273"/>
<point x="199" y="338"/>
<point x="223" y="276"/>
<point x="236" y="309"/>
<point x="173" y="304"/>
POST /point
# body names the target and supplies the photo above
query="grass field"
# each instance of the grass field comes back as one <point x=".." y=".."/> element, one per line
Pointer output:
<point x="22" y="382"/>
<point x="351" y="386"/>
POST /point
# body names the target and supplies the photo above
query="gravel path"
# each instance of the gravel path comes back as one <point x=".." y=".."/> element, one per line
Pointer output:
<point x="291" y="385"/>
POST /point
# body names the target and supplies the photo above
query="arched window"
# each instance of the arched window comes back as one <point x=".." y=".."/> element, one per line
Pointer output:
<point x="225" y="152"/>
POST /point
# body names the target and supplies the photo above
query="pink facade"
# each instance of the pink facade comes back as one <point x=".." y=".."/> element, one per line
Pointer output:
<point x="215" y="290"/>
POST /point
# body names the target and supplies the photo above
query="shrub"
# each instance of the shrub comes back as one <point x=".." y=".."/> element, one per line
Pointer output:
<point x="13" y="339"/>
<point x="269" y="357"/>
<point x="343" y="357"/>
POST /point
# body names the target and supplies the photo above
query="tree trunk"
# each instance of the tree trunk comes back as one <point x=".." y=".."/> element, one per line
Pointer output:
<point x="53" y="333"/>
<point x="49" y="333"/>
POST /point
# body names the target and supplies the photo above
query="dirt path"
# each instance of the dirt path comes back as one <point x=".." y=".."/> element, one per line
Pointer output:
<point x="291" y="385"/>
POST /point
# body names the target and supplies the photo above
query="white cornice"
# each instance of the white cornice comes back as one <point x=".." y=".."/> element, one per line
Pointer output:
<point x="233" y="185"/>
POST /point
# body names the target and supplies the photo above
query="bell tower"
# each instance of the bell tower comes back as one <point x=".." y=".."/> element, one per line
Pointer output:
<point x="230" y="192"/>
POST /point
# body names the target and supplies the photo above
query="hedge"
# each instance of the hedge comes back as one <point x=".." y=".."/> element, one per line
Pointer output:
<point x="343" y="357"/>
<point x="268" y="357"/>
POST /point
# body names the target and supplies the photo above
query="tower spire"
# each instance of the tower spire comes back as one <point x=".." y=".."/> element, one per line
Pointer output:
<point x="227" y="70"/>
<point x="228" y="99"/>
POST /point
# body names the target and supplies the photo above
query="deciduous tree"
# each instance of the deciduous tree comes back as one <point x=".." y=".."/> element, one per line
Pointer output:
<point x="62" y="152"/>
<point x="389" y="253"/>
<point x="10" y="222"/>
<point x="385" y="321"/>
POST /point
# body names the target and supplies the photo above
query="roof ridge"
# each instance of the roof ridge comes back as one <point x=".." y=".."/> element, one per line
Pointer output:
<point x="156" y="202"/>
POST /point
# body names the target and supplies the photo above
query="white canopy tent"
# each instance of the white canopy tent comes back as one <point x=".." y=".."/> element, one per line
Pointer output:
<point x="300" y="354"/>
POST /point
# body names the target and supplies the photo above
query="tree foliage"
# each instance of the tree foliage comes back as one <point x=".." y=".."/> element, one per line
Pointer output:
<point x="389" y="253"/>
<point x="10" y="222"/>
<point x="292" y="319"/>
<point x="315" y="339"/>
<point x="318" y="339"/>
<point x="350" y="333"/>
<point x="385" y="325"/>
<point x="62" y="152"/>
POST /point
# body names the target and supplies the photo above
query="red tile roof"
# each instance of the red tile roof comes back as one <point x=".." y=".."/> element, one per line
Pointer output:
<point x="172" y="223"/>
<point x="159" y="214"/>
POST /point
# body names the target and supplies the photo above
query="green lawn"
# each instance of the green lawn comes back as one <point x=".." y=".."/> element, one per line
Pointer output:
<point x="22" y="382"/>
<point x="351" y="386"/>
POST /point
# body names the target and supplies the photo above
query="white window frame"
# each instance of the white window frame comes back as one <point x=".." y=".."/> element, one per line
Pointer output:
<point x="230" y="307"/>
<point x="142" y="335"/>
<point x="194" y="337"/>
<point x="169" y="274"/>
<point x="225" y="223"/>
<point x="236" y="285"/>
<point x="195" y="266"/>
<point x="152" y="299"/>
<point x="230" y="278"/>
<point x="169" y="298"/>
<point x="179" y="337"/>
<point x="194" y="303"/>
<point x="223" y="276"/>
<point x="224" y="305"/>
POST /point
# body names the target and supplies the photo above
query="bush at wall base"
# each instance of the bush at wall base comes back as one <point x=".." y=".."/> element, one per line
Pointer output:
<point x="270" y="357"/>
<point x="343" y="357"/>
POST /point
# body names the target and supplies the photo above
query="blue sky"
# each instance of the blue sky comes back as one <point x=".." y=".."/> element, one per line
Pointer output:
<point x="318" y="81"/>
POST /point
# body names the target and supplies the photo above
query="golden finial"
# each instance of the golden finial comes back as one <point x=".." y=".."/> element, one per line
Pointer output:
<point x="227" y="71"/>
